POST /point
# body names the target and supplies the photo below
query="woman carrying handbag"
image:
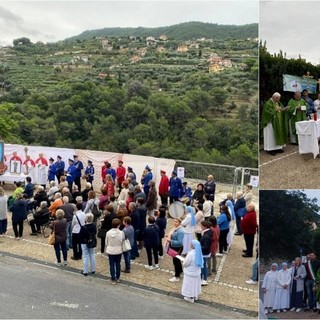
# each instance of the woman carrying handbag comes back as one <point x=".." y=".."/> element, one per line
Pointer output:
<point x="174" y="241"/>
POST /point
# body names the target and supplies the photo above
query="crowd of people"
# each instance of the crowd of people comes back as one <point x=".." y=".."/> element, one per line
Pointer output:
<point x="293" y="288"/>
<point x="133" y="220"/>
<point x="278" y="121"/>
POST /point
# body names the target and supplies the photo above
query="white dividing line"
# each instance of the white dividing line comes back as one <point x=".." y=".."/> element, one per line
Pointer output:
<point x="280" y="158"/>
<point x="65" y="305"/>
<point x="234" y="286"/>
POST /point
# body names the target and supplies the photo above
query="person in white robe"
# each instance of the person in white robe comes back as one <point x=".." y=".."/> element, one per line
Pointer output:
<point x="269" y="288"/>
<point x="41" y="168"/>
<point x="282" y="296"/>
<point x="192" y="264"/>
<point x="189" y="223"/>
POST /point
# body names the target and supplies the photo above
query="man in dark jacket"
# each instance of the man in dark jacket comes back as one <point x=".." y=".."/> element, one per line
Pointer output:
<point x="150" y="237"/>
<point x="210" y="187"/>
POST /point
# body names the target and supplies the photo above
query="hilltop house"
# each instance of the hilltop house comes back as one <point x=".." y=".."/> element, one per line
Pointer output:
<point x="150" y="41"/>
<point x="182" y="48"/>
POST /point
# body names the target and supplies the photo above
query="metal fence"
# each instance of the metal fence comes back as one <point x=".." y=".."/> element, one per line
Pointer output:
<point x="224" y="174"/>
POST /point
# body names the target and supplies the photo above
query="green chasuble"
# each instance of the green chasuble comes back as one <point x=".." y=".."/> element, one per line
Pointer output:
<point x="299" y="115"/>
<point x="279" y="120"/>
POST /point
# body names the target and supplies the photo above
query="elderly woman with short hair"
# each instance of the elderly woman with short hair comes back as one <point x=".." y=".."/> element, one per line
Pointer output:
<point x="40" y="217"/>
<point x="59" y="226"/>
<point x="88" y="231"/>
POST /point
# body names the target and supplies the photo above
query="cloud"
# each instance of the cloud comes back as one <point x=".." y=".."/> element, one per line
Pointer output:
<point x="57" y="20"/>
<point x="290" y="26"/>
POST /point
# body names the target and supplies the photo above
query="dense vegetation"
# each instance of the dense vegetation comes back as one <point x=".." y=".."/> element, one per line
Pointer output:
<point x="166" y="103"/>
<point x="272" y="67"/>
<point x="182" y="31"/>
<point x="285" y="224"/>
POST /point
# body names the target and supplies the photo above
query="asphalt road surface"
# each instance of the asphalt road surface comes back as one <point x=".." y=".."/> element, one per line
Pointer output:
<point x="31" y="290"/>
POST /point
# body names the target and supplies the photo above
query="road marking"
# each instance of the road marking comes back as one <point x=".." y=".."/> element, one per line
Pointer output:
<point x="65" y="305"/>
<point x="280" y="158"/>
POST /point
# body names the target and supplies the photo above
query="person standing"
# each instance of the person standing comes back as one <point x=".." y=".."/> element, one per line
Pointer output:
<point x="174" y="240"/>
<point x="89" y="173"/>
<point x="224" y="223"/>
<point x="150" y="238"/>
<point x="78" y="220"/>
<point x="59" y="226"/>
<point x="104" y="172"/>
<point x="205" y="241"/>
<point x="146" y="179"/>
<point x="269" y="288"/>
<point x="308" y="100"/>
<point x="239" y="210"/>
<point x="189" y="223"/>
<point x="114" y="240"/>
<point x="79" y="167"/>
<point x="60" y="166"/>
<point x="164" y="188"/>
<point x="249" y="229"/>
<point x="111" y="171"/>
<point x="282" y="296"/>
<point x="132" y="175"/>
<point x="191" y="285"/>
<point x="175" y="187"/>
<point x="19" y="214"/>
<point x="129" y="234"/>
<point x="152" y="201"/>
<point x="210" y="187"/>
<point x="274" y="122"/>
<point x="29" y="166"/>
<point x="52" y="171"/>
<point x="120" y="174"/>
<point x="3" y="213"/>
<point x="106" y="224"/>
<point x="41" y="167"/>
<point x="297" y="285"/>
<point x="312" y="266"/>
<point x="88" y="232"/>
<point x="297" y="112"/>
<point x="68" y="209"/>
<point x="71" y="174"/>
<point x="212" y="264"/>
<point x="317" y="106"/>
<point x="247" y="194"/>
<point x="161" y="222"/>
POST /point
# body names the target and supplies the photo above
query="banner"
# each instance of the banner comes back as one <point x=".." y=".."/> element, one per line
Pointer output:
<point x="294" y="84"/>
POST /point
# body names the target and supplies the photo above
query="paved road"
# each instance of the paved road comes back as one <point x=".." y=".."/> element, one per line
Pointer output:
<point x="35" y="291"/>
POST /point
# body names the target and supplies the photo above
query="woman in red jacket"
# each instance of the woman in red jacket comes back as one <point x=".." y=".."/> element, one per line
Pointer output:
<point x="249" y="229"/>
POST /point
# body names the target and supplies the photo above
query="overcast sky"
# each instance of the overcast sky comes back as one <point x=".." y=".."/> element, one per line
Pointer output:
<point x="291" y="26"/>
<point x="50" y="21"/>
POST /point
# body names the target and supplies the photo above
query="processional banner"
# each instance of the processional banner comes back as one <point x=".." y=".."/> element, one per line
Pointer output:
<point x="293" y="83"/>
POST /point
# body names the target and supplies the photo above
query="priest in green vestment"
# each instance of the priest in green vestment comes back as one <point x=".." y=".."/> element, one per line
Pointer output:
<point x="274" y="122"/>
<point x="297" y="112"/>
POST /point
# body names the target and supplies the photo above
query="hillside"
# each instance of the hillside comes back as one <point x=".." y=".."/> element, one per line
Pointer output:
<point x="183" y="31"/>
<point x="190" y="100"/>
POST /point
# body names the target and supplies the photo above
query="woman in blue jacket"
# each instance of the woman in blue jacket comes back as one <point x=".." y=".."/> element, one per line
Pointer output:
<point x="223" y="223"/>
<point x="175" y="242"/>
<point x="19" y="214"/>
